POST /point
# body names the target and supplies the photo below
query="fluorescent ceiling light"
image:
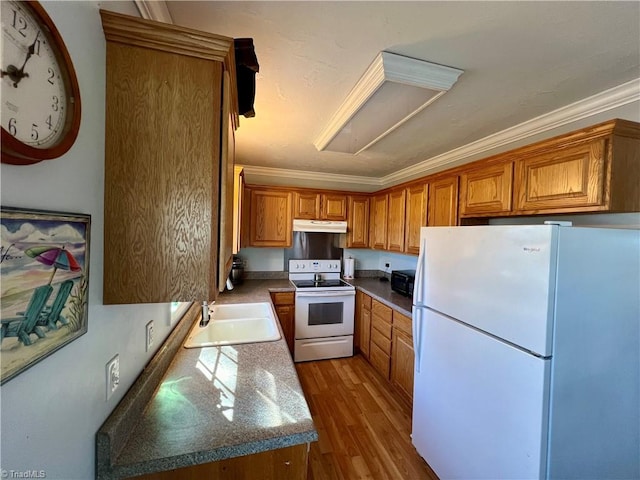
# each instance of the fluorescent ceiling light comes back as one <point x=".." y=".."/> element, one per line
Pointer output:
<point x="392" y="90"/>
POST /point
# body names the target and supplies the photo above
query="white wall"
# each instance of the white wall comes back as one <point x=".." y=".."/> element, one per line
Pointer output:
<point x="50" y="413"/>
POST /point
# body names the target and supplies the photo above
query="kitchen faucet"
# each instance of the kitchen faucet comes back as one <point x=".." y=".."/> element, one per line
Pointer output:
<point x="206" y="314"/>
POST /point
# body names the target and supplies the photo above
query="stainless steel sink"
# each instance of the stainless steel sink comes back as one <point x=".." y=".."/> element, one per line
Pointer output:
<point x="234" y="324"/>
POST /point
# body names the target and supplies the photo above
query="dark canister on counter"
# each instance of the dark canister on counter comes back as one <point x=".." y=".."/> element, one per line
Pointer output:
<point x="237" y="270"/>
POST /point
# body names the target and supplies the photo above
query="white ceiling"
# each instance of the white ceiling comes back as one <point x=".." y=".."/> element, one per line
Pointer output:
<point x="521" y="60"/>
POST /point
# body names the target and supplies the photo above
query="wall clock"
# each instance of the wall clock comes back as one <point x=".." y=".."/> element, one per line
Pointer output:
<point x="40" y="94"/>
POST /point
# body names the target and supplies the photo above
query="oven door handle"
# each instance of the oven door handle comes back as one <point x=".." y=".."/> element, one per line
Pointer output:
<point x="341" y="293"/>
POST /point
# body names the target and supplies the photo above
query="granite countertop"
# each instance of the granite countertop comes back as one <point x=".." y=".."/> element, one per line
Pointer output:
<point x="210" y="404"/>
<point x="381" y="290"/>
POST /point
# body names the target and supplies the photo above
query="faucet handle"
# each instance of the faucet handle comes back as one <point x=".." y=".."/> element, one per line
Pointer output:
<point x="206" y="314"/>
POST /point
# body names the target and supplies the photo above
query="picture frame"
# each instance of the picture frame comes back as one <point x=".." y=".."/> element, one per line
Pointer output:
<point x="44" y="284"/>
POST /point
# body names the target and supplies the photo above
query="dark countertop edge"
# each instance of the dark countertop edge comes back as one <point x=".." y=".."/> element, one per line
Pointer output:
<point x="382" y="292"/>
<point x="113" y="434"/>
<point x="208" y="456"/>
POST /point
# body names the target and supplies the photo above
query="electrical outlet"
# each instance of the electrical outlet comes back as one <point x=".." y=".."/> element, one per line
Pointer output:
<point x="149" y="336"/>
<point x="113" y="375"/>
<point x="387" y="265"/>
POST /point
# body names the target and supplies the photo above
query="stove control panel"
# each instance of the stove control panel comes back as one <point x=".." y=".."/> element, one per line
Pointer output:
<point x="312" y="266"/>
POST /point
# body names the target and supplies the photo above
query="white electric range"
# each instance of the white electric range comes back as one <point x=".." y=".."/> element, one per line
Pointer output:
<point x="324" y="310"/>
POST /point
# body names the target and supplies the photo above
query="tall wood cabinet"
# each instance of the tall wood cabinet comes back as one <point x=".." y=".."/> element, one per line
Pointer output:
<point x="378" y="222"/>
<point x="396" y="220"/>
<point x="416" y="216"/>
<point x="358" y="221"/>
<point x="443" y="202"/>
<point x="161" y="229"/>
<point x="270" y="218"/>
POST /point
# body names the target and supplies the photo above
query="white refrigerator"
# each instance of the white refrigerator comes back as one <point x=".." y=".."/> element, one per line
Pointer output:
<point x="527" y="347"/>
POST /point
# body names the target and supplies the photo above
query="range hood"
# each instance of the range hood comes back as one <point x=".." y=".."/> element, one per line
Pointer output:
<point x="327" y="226"/>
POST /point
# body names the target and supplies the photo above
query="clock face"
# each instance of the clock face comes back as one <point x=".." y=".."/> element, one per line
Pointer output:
<point x="38" y="100"/>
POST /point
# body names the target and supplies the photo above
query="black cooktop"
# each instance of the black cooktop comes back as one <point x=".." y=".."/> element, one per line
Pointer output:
<point x="320" y="284"/>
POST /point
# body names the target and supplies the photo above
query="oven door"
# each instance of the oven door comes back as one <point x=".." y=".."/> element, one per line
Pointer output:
<point x="324" y="313"/>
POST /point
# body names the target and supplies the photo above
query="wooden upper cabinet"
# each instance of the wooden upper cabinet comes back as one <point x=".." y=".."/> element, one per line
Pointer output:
<point x="358" y="221"/>
<point x="416" y="216"/>
<point x="571" y="177"/>
<point x="378" y="222"/>
<point x="320" y="206"/>
<point x="306" y="205"/>
<point x="333" y="206"/>
<point x="594" y="169"/>
<point x="486" y="190"/>
<point x="443" y="202"/>
<point x="161" y="197"/>
<point x="396" y="220"/>
<point x="271" y="222"/>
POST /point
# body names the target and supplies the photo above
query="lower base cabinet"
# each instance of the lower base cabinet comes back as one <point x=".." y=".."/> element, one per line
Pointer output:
<point x="284" y="303"/>
<point x="289" y="463"/>
<point x="386" y="341"/>
<point x="402" y="356"/>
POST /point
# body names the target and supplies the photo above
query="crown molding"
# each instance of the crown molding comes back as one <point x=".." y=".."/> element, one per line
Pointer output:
<point x="284" y="176"/>
<point x="154" y="10"/>
<point x="601" y="102"/>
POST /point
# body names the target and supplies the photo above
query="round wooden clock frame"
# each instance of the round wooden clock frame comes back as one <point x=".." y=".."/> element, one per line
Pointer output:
<point x="16" y="152"/>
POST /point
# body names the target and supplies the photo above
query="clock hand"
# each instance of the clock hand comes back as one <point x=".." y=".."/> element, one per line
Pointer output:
<point x="16" y="74"/>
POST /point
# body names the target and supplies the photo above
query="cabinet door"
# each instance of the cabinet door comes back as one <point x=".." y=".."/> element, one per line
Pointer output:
<point x="227" y="164"/>
<point x="161" y="195"/>
<point x="443" y="202"/>
<point x="284" y="303"/>
<point x="271" y="221"/>
<point x="363" y="321"/>
<point x="416" y="216"/>
<point x="566" y="178"/>
<point x="238" y="205"/>
<point x="334" y="206"/>
<point x="487" y="190"/>
<point x="306" y="205"/>
<point x="402" y="364"/>
<point x="358" y="222"/>
<point x="286" y="315"/>
<point x="396" y="221"/>
<point x="378" y="222"/>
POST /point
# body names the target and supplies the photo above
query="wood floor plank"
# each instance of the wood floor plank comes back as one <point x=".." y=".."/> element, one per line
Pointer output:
<point x="363" y="425"/>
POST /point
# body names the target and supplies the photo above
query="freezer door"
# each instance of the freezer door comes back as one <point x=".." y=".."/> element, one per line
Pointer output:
<point x="500" y="279"/>
<point x="480" y="405"/>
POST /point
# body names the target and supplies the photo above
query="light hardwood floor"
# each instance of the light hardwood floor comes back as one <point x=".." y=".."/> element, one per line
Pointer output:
<point x="363" y="426"/>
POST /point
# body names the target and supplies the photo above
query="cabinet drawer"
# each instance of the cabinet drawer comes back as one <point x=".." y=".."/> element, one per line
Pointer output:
<point x="380" y="360"/>
<point x="381" y="341"/>
<point x="402" y="323"/>
<point x="378" y="323"/>
<point x="282" y="298"/>
<point x="384" y="312"/>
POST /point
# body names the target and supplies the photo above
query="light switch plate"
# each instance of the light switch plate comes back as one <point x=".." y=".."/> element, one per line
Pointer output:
<point x="113" y="375"/>
<point x="149" y="336"/>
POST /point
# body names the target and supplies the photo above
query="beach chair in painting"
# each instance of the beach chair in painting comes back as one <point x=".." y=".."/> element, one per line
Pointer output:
<point x="51" y="314"/>
<point x="24" y="324"/>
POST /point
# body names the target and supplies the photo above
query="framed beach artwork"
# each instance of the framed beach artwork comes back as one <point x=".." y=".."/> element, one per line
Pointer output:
<point x="44" y="280"/>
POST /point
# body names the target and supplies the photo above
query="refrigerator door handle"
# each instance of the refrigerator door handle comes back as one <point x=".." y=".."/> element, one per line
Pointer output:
<point x="416" y="324"/>
<point x="419" y="283"/>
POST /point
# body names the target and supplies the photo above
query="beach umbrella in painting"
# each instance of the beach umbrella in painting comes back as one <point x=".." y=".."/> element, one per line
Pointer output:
<point x="58" y="257"/>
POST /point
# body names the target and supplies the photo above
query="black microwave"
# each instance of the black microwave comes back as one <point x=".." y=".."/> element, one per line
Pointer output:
<point x="402" y="281"/>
